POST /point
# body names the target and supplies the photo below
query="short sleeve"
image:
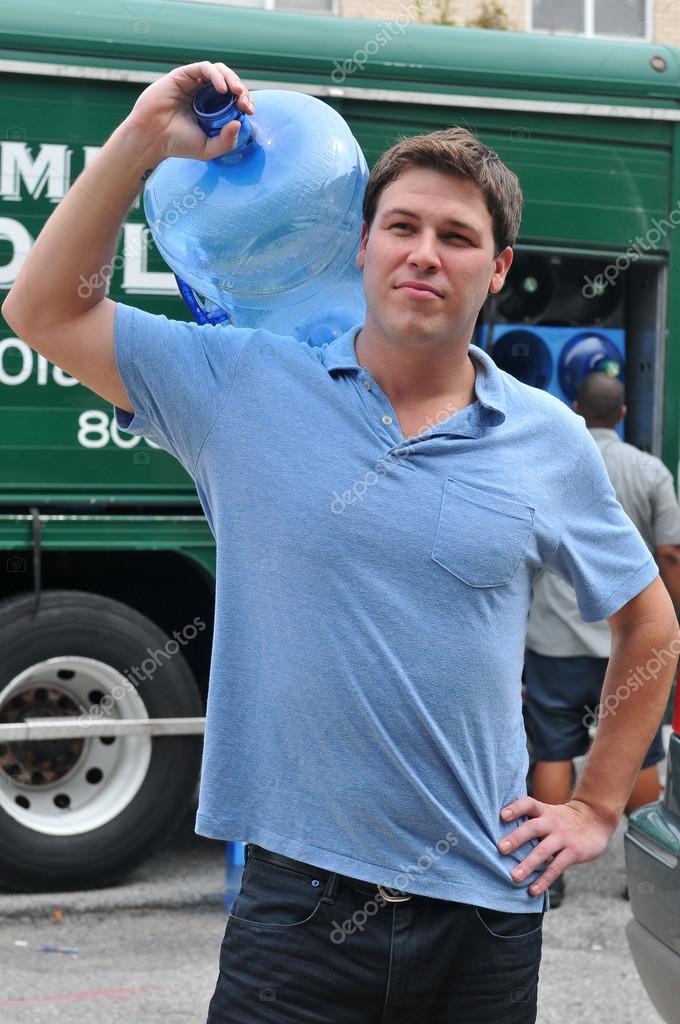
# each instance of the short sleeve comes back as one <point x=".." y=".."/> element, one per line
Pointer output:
<point x="600" y="552"/>
<point x="178" y="377"/>
<point x="665" y="509"/>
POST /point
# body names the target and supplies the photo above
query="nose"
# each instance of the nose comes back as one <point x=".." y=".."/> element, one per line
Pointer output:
<point x="423" y="253"/>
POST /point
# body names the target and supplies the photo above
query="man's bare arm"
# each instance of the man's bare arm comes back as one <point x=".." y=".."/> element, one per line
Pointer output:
<point x="639" y="677"/>
<point x="644" y="643"/>
<point x="58" y="302"/>
<point x="668" y="560"/>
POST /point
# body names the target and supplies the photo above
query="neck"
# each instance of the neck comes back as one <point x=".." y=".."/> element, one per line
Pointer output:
<point x="417" y="373"/>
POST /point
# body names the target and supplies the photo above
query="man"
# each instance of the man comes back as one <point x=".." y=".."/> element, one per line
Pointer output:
<point x="381" y="506"/>
<point x="566" y="658"/>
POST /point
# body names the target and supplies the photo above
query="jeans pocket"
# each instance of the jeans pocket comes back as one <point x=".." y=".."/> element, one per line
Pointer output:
<point x="481" y="537"/>
<point x="507" y="925"/>
<point x="273" y="897"/>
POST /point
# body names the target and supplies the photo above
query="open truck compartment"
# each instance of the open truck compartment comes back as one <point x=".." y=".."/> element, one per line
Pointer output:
<point x="587" y="308"/>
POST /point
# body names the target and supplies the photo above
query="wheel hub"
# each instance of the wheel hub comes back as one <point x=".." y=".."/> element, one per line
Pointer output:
<point x="39" y="762"/>
<point x="69" y="786"/>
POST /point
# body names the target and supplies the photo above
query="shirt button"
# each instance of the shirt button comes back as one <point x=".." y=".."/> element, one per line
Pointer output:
<point x="367" y="385"/>
<point x="387" y="420"/>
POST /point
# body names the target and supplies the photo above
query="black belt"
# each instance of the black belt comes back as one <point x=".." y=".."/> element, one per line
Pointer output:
<point x="386" y="892"/>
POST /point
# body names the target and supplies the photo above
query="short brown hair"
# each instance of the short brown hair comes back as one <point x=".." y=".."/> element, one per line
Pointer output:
<point x="458" y="152"/>
<point x="600" y="397"/>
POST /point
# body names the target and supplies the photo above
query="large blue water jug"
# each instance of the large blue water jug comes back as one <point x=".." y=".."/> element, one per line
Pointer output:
<point x="586" y="353"/>
<point x="266" y="236"/>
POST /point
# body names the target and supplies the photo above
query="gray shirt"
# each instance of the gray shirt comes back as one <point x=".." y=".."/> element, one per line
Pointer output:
<point x="645" y="489"/>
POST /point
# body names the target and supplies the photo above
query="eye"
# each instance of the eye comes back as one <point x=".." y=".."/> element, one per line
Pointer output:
<point x="401" y="225"/>
<point x="461" y="238"/>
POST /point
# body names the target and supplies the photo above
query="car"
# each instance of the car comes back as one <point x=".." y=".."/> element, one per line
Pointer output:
<point x="652" y="851"/>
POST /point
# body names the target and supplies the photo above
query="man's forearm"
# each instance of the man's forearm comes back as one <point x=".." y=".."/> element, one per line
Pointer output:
<point x="634" y="697"/>
<point x="670" y="574"/>
<point x="80" y="237"/>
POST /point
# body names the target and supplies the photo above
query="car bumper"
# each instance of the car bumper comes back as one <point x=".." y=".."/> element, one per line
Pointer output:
<point x="659" y="970"/>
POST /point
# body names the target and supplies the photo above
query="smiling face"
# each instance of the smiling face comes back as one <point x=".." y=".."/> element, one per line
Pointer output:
<point x="429" y="258"/>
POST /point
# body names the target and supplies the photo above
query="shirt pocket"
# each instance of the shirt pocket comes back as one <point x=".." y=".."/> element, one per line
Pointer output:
<point x="481" y="538"/>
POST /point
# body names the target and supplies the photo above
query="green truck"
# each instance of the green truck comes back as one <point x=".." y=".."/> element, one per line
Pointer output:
<point x="106" y="562"/>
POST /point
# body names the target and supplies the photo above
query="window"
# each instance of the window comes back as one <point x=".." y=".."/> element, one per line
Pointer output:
<point x="304" y="6"/>
<point x="297" y="6"/>
<point x="615" y="19"/>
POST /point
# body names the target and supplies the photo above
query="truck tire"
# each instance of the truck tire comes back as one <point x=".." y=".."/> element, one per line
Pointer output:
<point x="79" y="813"/>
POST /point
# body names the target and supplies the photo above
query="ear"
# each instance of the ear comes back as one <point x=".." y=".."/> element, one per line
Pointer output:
<point x="361" y="254"/>
<point x="622" y="414"/>
<point x="575" y="407"/>
<point x="501" y="266"/>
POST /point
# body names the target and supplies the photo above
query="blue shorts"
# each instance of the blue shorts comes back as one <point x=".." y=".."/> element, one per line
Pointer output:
<point x="561" y="698"/>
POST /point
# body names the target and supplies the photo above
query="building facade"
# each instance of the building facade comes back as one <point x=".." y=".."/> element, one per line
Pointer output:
<point x="644" y="20"/>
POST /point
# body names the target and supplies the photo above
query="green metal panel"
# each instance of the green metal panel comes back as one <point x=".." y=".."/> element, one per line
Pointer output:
<point x="584" y="184"/>
<point x="157" y="34"/>
<point x="186" y="535"/>
<point x="588" y="192"/>
<point x="56" y="436"/>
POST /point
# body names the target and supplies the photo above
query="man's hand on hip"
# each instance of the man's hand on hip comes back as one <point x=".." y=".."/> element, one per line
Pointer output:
<point x="570" y="833"/>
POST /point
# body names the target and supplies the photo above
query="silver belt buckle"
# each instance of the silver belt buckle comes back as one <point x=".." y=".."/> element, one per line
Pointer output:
<point x="401" y="898"/>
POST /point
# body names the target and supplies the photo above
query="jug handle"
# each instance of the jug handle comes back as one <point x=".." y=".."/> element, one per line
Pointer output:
<point x="198" y="310"/>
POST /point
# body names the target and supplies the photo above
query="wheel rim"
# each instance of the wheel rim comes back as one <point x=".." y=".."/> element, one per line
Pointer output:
<point x="70" y="786"/>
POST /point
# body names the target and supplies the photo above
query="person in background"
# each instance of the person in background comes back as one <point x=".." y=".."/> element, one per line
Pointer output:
<point x="566" y="658"/>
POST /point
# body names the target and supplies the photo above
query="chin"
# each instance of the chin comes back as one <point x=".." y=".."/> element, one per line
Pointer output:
<point x="419" y="333"/>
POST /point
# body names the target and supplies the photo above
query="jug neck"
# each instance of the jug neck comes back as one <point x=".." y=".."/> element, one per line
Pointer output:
<point x="214" y="109"/>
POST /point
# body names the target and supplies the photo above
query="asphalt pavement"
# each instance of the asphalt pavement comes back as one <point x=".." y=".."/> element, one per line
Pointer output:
<point x="147" y="951"/>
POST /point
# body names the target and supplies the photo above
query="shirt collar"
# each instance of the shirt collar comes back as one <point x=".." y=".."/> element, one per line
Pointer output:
<point x="340" y="354"/>
<point x="604" y="432"/>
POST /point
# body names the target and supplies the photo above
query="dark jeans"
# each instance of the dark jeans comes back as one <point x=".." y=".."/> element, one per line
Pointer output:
<point x="288" y="956"/>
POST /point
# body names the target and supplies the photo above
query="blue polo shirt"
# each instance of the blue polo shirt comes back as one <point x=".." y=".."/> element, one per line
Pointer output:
<point x="364" y="709"/>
